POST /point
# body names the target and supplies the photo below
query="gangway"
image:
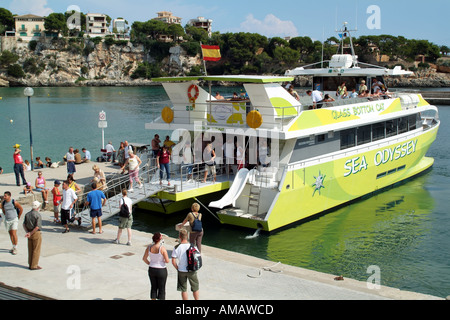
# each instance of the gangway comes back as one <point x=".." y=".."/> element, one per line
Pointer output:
<point x="113" y="192"/>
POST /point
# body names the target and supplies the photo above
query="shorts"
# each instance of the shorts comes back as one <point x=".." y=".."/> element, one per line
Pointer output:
<point x="211" y="169"/>
<point x="56" y="208"/>
<point x="65" y="216"/>
<point x="134" y="174"/>
<point x="12" y="224"/>
<point x="125" y="223"/>
<point x="95" y="213"/>
<point x="183" y="277"/>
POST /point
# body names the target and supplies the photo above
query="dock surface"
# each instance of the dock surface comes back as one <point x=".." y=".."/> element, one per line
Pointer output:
<point x="82" y="266"/>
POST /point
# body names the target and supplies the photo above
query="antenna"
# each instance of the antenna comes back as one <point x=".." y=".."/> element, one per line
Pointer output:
<point x="323" y="43"/>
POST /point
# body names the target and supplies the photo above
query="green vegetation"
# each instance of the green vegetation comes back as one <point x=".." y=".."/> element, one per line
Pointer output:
<point x="147" y="71"/>
<point x="7" y="58"/>
<point x="16" y="71"/>
<point x="242" y="53"/>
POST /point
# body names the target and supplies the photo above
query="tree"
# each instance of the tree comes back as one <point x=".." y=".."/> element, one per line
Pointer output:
<point x="6" y="19"/>
<point x="445" y="50"/>
<point x="7" y="58"/>
<point x="197" y="34"/>
<point x="72" y="17"/>
<point x="275" y="43"/>
<point x="16" y="71"/>
<point x="56" y="22"/>
<point x="176" y="31"/>
<point x="302" y="44"/>
<point x="286" y="55"/>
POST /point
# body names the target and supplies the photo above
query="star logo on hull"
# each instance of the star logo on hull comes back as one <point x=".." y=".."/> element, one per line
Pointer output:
<point x="318" y="185"/>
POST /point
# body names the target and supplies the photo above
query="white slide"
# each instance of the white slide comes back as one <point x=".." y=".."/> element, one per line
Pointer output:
<point x="234" y="192"/>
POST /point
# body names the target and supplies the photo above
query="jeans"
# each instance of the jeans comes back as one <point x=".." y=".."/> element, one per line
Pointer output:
<point x="18" y="170"/>
<point x="166" y="167"/>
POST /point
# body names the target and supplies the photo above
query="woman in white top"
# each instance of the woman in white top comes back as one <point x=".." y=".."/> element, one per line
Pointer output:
<point x="133" y="163"/>
<point x="99" y="177"/>
<point x="156" y="257"/>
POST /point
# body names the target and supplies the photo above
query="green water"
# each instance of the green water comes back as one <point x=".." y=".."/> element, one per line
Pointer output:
<point x="403" y="230"/>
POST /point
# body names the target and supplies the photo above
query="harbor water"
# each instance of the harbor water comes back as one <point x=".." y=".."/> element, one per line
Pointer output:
<point x="401" y="231"/>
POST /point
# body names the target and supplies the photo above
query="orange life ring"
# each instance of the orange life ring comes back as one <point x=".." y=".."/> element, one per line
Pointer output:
<point x="197" y="92"/>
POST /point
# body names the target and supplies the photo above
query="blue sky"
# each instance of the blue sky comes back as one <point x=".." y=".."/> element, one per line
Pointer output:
<point x="412" y="19"/>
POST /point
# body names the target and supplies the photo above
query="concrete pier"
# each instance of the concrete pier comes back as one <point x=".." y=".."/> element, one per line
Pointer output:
<point x="82" y="266"/>
<point x="437" y="98"/>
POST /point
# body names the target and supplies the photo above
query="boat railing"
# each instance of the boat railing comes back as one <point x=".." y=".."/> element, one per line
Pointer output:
<point x="227" y="112"/>
<point x="114" y="186"/>
<point x="183" y="174"/>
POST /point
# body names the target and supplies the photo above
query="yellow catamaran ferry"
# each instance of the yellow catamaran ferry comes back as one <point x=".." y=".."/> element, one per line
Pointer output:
<point x="299" y="157"/>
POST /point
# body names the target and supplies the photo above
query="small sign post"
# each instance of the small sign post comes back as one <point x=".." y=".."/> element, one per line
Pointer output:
<point x="102" y="124"/>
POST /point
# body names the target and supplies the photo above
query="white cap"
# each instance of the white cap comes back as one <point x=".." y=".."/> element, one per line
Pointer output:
<point x="36" y="205"/>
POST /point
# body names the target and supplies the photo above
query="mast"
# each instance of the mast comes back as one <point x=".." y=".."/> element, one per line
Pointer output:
<point x="346" y="33"/>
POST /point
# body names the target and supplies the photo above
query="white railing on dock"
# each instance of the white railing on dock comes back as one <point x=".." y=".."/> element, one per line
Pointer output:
<point x="113" y="193"/>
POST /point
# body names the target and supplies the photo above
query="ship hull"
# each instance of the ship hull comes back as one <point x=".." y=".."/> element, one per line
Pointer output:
<point x="315" y="187"/>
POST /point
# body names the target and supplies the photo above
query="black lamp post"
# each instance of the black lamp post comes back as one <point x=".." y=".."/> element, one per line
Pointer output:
<point x="29" y="92"/>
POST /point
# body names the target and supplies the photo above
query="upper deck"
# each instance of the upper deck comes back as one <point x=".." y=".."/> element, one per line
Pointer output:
<point x="267" y="105"/>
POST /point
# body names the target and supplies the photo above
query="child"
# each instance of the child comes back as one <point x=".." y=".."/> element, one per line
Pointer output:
<point x="39" y="164"/>
<point x="28" y="189"/>
<point x="49" y="162"/>
<point x="56" y="201"/>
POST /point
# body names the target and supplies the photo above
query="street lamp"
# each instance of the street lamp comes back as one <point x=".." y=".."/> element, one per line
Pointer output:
<point x="29" y="92"/>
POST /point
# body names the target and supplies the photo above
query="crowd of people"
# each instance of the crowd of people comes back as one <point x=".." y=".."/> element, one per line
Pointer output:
<point x="378" y="91"/>
<point x="64" y="201"/>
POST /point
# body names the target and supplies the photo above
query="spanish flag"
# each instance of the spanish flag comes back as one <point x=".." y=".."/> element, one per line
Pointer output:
<point x="211" y="53"/>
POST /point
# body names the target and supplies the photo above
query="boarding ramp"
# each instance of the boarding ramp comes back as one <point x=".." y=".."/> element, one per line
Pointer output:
<point x="148" y="175"/>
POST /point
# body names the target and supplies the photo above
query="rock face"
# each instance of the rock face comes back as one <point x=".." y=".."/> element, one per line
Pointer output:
<point x="83" y="63"/>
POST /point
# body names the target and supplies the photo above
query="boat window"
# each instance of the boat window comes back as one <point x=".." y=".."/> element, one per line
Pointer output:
<point x="391" y="128"/>
<point x="412" y="122"/>
<point x="332" y="83"/>
<point x="402" y="125"/>
<point x="348" y="138"/>
<point x="320" y="138"/>
<point x="378" y="131"/>
<point x="364" y="135"/>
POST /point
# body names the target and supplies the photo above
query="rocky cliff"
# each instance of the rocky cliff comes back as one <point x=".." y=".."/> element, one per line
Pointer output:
<point x="83" y="62"/>
<point x="80" y="62"/>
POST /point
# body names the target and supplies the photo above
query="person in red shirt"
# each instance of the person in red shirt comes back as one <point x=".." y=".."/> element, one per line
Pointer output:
<point x="18" y="166"/>
<point x="57" y="197"/>
<point x="163" y="161"/>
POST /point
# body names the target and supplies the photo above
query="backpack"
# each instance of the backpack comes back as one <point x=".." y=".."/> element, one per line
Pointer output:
<point x="194" y="258"/>
<point x="124" y="211"/>
<point x="197" y="225"/>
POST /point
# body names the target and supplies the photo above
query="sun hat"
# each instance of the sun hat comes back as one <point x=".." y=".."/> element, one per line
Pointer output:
<point x="36" y="205"/>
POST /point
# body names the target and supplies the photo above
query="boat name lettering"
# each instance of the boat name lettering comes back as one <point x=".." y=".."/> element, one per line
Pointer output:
<point x="357" y="110"/>
<point x="395" y="153"/>
<point x="358" y="164"/>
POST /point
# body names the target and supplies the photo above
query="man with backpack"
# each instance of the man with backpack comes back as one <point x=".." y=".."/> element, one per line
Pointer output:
<point x="12" y="212"/>
<point x="180" y="253"/>
<point x="125" y="217"/>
